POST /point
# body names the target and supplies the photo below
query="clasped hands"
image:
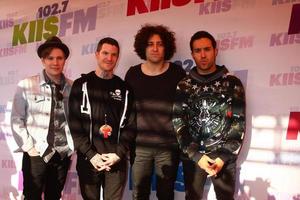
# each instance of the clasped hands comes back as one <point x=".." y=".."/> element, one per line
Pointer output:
<point x="211" y="166"/>
<point x="104" y="161"/>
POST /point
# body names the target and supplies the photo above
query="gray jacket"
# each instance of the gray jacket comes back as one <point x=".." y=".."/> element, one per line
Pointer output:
<point x="31" y="110"/>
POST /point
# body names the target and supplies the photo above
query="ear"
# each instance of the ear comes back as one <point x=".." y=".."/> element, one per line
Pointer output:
<point x="97" y="54"/>
<point x="43" y="61"/>
<point x="216" y="51"/>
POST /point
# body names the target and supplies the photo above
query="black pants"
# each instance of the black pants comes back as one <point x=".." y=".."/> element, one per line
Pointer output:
<point x="39" y="177"/>
<point x="195" y="177"/>
<point x="90" y="180"/>
<point x="165" y="163"/>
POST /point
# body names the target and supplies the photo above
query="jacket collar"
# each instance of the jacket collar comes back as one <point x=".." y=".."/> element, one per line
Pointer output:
<point x="221" y="71"/>
<point x="44" y="79"/>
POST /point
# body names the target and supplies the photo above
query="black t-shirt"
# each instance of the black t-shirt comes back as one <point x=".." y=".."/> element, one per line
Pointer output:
<point x="154" y="96"/>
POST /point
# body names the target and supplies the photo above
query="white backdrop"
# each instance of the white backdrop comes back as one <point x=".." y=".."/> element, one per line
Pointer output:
<point x="254" y="43"/>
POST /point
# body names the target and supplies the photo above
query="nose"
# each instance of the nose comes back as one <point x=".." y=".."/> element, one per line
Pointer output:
<point x="109" y="57"/>
<point x="155" y="47"/>
<point x="55" y="61"/>
<point x="202" y="54"/>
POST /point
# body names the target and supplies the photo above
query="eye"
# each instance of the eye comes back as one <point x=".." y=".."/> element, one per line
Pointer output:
<point x="160" y="44"/>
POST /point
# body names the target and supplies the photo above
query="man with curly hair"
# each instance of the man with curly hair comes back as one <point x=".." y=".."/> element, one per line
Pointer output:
<point x="154" y="85"/>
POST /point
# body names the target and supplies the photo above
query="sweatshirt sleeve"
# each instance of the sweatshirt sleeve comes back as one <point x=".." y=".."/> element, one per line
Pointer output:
<point x="235" y="135"/>
<point x="79" y="119"/>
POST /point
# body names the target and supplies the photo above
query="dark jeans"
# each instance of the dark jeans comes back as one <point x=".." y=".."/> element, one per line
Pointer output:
<point x="90" y="180"/>
<point x="44" y="177"/>
<point x="165" y="163"/>
<point x="195" y="177"/>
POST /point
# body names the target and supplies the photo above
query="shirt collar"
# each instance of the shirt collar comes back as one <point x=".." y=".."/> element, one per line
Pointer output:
<point x="50" y="82"/>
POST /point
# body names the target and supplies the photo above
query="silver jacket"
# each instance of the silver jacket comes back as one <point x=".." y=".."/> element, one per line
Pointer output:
<point x="31" y="110"/>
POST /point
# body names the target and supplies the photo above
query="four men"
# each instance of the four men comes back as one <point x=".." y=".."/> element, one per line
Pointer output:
<point x="107" y="116"/>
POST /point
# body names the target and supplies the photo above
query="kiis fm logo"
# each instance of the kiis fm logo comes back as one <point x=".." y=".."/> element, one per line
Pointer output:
<point x="6" y="23"/>
<point x="280" y="39"/>
<point x="288" y="78"/>
<point x="146" y="6"/>
<point x="8" y="164"/>
<point x="43" y="28"/>
<point x="12" y="51"/>
<point x="232" y="40"/>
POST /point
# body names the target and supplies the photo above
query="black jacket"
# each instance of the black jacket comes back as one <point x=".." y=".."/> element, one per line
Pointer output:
<point x="94" y="102"/>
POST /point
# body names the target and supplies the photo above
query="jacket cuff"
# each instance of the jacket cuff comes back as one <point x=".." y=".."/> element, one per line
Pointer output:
<point x="197" y="156"/>
<point x="90" y="153"/>
<point x="27" y="145"/>
<point x="224" y="155"/>
<point x="120" y="153"/>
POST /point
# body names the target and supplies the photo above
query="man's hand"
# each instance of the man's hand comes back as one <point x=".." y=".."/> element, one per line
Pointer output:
<point x="206" y="164"/>
<point x="218" y="165"/>
<point x="98" y="163"/>
<point x="33" y="152"/>
<point x="110" y="159"/>
<point x="212" y="167"/>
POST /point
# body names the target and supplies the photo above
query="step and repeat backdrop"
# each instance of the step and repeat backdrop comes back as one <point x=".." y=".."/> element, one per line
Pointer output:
<point x="259" y="41"/>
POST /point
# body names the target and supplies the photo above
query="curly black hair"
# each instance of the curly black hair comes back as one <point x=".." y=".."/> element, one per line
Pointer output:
<point x="147" y="30"/>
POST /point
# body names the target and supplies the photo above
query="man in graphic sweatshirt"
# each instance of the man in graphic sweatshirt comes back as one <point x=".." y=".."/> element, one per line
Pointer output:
<point x="209" y="120"/>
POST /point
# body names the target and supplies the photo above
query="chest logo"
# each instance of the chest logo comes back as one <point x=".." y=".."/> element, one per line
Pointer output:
<point x="116" y="95"/>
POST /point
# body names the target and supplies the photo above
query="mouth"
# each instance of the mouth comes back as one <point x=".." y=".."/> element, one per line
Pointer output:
<point x="155" y="55"/>
<point x="55" y="68"/>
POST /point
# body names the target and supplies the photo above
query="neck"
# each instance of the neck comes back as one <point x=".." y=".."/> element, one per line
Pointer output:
<point x="55" y="79"/>
<point x="206" y="72"/>
<point x="154" y="69"/>
<point x="104" y="74"/>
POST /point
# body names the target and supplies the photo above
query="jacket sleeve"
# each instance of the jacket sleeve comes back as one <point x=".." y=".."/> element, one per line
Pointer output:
<point x="19" y="119"/>
<point x="186" y="141"/>
<point x="234" y="139"/>
<point x="79" y="120"/>
<point x="128" y="130"/>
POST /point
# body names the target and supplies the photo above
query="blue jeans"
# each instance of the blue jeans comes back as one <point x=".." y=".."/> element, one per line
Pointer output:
<point x="165" y="163"/>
